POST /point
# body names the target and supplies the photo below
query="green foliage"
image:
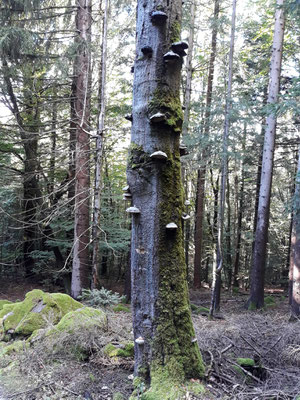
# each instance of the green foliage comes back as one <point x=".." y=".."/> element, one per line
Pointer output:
<point x="100" y="298"/>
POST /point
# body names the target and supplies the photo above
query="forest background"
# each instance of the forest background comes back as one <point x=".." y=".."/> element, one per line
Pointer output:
<point x="39" y="47"/>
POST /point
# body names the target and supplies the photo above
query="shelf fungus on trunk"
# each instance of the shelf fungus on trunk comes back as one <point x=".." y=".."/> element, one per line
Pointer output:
<point x="158" y="18"/>
<point x="158" y="117"/>
<point x="171" y="226"/>
<point x="126" y="189"/>
<point x="183" y="151"/>
<point x="147" y="51"/>
<point x="133" y="210"/>
<point x="128" y="117"/>
<point x="185" y="217"/>
<point x="179" y="48"/>
<point x="127" y="196"/>
<point x="159" y="155"/>
<point x="170" y="56"/>
<point x="140" y="340"/>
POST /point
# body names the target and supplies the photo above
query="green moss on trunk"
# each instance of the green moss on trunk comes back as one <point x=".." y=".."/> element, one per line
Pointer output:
<point x="170" y="105"/>
<point x="175" y="352"/>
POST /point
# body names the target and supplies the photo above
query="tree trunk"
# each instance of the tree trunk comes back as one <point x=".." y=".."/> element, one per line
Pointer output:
<point x="165" y="349"/>
<point x="28" y="122"/>
<point x="295" y="250"/>
<point x="202" y="171"/>
<point x="256" y="299"/>
<point x="215" y="304"/>
<point x="99" y="152"/>
<point x="81" y="263"/>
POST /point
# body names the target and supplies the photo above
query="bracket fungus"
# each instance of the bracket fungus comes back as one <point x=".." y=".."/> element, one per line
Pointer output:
<point x="158" y="117"/>
<point x="183" y="149"/>
<point x="159" y="155"/>
<point x="140" y="340"/>
<point x="158" y="17"/>
<point x="125" y="189"/>
<point x="187" y="203"/>
<point x="179" y="47"/>
<point x="170" y="56"/>
<point x="128" y="117"/>
<point x="185" y="217"/>
<point x="147" y="51"/>
<point x="171" y="226"/>
<point x="133" y="210"/>
<point x="127" y="196"/>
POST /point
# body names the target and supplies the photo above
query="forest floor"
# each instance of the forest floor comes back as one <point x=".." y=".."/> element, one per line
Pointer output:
<point x="267" y="336"/>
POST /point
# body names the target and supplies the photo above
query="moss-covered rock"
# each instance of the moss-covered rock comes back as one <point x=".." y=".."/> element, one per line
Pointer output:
<point x="83" y="318"/>
<point x="15" y="347"/>
<point x="3" y="302"/>
<point x="125" y="350"/>
<point x="35" y="312"/>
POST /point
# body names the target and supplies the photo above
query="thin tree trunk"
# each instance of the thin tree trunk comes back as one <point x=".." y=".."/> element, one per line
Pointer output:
<point x="99" y="152"/>
<point x="256" y="299"/>
<point x="159" y="289"/>
<point x="185" y="125"/>
<point x="200" y="212"/>
<point x="215" y="303"/>
<point x="189" y="73"/>
<point x="228" y="238"/>
<point x="81" y="264"/>
<point x="295" y="250"/>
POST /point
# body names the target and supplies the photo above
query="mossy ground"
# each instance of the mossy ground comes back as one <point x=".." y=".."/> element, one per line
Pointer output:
<point x="125" y="350"/>
<point x="165" y="388"/>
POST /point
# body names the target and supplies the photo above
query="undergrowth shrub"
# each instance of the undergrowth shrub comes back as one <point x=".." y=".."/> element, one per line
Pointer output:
<point x="101" y="297"/>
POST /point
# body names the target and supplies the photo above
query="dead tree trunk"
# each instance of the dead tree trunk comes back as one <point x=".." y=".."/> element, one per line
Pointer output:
<point x="162" y="325"/>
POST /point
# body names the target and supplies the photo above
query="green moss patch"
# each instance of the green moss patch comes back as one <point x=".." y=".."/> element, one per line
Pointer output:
<point x="165" y="388"/>
<point x="83" y="318"/>
<point x="169" y="104"/>
<point x="125" y="350"/>
<point x="199" y="309"/>
<point x="38" y="310"/>
<point x="15" y="347"/>
<point x="3" y="302"/>
<point x="121" y="308"/>
<point x="269" y="301"/>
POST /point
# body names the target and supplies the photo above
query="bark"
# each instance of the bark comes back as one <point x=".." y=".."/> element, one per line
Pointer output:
<point x="295" y="250"/>
<point x="99" y="152"/>
<point x="202" y="171"/>
<point x="162" y="325"/>
<point x="215" y="303"/>
<point x="81" y="263"/>
<point x="256" y="299"/>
